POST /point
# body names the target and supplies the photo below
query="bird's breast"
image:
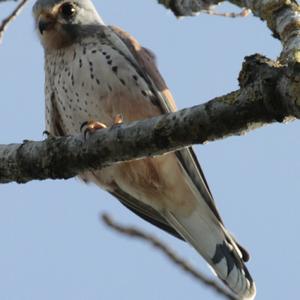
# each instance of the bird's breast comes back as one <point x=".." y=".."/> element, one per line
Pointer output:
<point x="96" y="82"/>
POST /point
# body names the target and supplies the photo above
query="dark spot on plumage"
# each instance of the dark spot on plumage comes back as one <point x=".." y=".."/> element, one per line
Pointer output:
<point x="135" y="77"/>
<point x="74" y="55"/>
<point x="144" y="93"/>
<point x="84" y="50"/>
<point x="80" y="62"/>
<point x="82" y="84"/>
<point x="115" y="69"/>
<point x="109" y="62"/>
<point x="87" y="94"/>
<point x="104" y="53"/>
<point x="108" y="57"/>
<point x="122" y="81"/>
<point x="92" y="76"/>
<point x="76" y="94"/>
<point x="109" y="87"/>
<point x="98" y="81"/>
<point x="94" y="51"/>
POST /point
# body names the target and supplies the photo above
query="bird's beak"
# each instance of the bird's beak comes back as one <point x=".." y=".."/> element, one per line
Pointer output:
<point x="45" y="23"/>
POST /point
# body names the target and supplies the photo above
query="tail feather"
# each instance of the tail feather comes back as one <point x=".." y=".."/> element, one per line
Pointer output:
<point x="218" y="248"/>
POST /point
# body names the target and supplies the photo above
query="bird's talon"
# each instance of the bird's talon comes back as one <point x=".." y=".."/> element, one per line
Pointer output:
<point x="47" y="133"/>
<point x="91" y="127"/>
<point x="118" y="120"/>
<point x="83" y="125"/>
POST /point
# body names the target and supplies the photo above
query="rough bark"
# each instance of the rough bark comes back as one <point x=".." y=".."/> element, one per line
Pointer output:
<point x="269" y="92"/>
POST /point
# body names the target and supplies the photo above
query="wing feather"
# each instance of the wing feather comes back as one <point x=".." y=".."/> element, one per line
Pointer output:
<point x="144" y="211"/>
<point x="186" y="156"/>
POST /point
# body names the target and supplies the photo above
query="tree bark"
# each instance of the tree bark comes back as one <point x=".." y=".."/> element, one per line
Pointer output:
<point x="268" y="92"/>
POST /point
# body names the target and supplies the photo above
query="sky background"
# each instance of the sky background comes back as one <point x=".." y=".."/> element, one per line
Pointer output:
<point x="52" y="244"/>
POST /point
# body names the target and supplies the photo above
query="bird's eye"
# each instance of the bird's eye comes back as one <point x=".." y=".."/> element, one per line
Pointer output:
<point x="67" y="10"/>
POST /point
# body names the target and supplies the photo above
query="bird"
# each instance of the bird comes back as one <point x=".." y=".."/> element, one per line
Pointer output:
<point x="95" y="73"/>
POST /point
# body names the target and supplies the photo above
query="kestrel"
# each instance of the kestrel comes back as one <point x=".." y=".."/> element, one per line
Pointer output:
<point x="96" y="72"/>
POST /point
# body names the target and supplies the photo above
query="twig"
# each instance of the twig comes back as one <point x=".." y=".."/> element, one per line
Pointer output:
<point x="243" y="13"/>
<point x="181" y="263"/>
<point x="10" y="18"/>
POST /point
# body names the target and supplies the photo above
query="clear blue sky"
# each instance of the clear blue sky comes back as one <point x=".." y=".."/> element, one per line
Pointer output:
<point x="52" y="243"/>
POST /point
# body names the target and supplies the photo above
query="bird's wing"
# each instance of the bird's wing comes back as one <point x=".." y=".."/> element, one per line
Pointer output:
<point x="204" y="228"/>
<point x="187" y="157"/>
<point x="144" y="211"/>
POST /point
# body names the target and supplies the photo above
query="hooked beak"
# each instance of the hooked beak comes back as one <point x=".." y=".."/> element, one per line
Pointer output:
<point x="45" y="23"/>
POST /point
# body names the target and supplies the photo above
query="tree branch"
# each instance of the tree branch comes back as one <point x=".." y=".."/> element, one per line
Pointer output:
<point x="11" y="17"/>
<point x="282" y="17"/>
<point x="268" y="93"/>
<point x="180" y="262"/>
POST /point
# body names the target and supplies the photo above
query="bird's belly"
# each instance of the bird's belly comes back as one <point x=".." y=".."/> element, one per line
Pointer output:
<point x="86" y="90"/>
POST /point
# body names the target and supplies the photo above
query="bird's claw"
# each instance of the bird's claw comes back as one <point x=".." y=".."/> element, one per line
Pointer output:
<point x="118" y="120"/>
<point x="47" y="133"/>
<point x="91" y="127"/>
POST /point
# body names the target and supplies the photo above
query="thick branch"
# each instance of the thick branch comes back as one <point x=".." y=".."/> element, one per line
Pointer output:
<point x="180" y="262"/>
<point x="268" y="93"/>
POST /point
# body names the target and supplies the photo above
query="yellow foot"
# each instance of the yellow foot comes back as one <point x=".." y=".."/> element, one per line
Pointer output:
<point x="118" y="120"/>
<point x="91" y="127"/>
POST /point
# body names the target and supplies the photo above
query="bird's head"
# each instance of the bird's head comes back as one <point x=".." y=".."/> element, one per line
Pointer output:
<point x="61" y="22"/>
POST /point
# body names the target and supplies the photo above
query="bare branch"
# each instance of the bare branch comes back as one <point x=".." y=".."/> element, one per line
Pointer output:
<point x="180" y="262"/>
<point x="10" y="18"/>
<point x="282" y="17"/>
<point x="243" y="13"/>
<point x="268" y="93"/>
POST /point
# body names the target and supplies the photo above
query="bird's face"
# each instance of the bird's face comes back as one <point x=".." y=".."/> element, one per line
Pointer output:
<point x="61" y="22"/>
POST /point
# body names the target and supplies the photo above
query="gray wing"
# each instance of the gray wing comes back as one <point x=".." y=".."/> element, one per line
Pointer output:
<point x="147" y="68"/>
<point x="144" y="211"/>
<point x="144" y="61"/>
